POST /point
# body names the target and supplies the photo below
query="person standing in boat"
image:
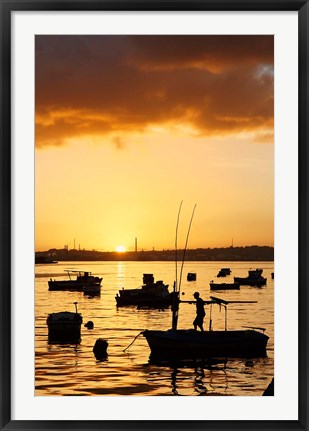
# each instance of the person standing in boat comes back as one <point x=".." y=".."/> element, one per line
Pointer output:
<point x="200" y="312"/>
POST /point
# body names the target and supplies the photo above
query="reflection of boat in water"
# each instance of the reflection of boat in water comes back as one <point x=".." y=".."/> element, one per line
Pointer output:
<point x="92" y="289"/>
<point x="203" y="377"/>
<point x="150" y="294"/>
<point x="224" y="272"/>
<point x="254" y="278"/>
<point x="84" y="279"/>
<point x="176" y="344"/>
<point x="64" y="327"/>
<point x="224" y="286"/>
<point x="191" y="276"/>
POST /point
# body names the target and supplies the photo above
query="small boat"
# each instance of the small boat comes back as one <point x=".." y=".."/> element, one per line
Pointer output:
<point x="254" y="278"/>
<point x="150" y="294"/>
<point x="224" y="286"/>
<point x="185" y="345"/>
<point x="83" y="280"/>
<point x="178" y="345"/>
<point x="44" y="259"/>
<point x="191" y="276"/>
<point x="64" y="327"/>
<point x="224" y="272"/>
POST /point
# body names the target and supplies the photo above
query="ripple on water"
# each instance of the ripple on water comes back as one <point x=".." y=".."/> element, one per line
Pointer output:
<point x="73" y="369"/>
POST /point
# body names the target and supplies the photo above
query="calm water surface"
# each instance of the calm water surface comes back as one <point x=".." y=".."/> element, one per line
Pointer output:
<point x="73" y="369"/>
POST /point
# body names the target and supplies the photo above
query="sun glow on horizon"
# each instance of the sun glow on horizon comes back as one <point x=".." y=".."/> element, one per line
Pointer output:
<point x="120" y="248"/>
<point x="201" y="126"/>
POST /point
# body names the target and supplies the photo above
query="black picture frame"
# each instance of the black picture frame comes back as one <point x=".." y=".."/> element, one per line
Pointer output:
<point x="6" y="8"/>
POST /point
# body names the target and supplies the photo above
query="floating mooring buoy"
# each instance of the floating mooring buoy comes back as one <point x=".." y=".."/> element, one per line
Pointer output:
<point x="89" y="325"/>
<point x="100" y="349"/>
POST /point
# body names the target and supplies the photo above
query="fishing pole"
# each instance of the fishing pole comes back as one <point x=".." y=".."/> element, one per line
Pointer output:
<point x="176" y="239"/>
<point x="175" y="305"/>
<point x="184" y="252"/>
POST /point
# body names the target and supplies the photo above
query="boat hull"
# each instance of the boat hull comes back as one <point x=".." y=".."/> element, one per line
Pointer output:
<point x="64" y="327"/>
<point x="254" y="282"/>
<point x="224" y="272"/>
<point x="144" y="300"/>
<point x="154" y="295"/>
<point x="71" y="285"/>
<point x="196" y="345"/>
<point x="74" y="285"/>
<point x="224" y="286"/>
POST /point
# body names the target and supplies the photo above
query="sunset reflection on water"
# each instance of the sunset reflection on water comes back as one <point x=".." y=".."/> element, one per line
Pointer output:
<point x="73" y="369"/>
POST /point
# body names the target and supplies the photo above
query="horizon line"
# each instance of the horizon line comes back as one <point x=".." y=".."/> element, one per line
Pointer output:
<point x="153" y="250"/>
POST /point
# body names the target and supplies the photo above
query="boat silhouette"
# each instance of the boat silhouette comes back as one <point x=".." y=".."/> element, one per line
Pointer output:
<point x="189" y="344"/>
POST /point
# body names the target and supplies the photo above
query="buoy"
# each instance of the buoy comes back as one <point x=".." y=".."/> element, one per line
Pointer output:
<point x="89" y="325"/>
<point x="100" y="349"/>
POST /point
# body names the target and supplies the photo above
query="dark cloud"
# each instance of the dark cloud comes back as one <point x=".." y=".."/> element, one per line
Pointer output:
<point x="111" y="84"/>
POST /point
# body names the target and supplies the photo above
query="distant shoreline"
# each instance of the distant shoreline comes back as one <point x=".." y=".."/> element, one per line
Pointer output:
<point x="248" y="253"/>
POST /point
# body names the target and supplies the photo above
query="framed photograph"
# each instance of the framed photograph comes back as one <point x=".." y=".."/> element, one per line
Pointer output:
<point x="154" y="215"/>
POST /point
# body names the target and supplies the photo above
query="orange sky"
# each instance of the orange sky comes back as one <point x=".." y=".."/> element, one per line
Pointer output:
<point x="128" y="126"/>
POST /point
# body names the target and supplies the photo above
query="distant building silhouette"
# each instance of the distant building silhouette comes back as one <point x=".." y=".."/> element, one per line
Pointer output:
<point x="249" y="253"/>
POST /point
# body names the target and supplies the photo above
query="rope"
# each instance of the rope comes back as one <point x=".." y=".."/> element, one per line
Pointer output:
<point x="133" y="341"/>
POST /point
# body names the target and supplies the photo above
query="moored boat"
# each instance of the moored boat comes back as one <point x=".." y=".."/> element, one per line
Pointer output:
<point x="254" y="278"/>
<point x="179" y="344"/>
<point x="224" y="286"/>
<point x="44" y="259"/>
<point x="84" y="279"/>
<point x="197" y="345"/>
<point x="64" y="326"/>
<point x="150" y="294"/>
<point x="191" y="276"/>
<point x="224" y="272"/>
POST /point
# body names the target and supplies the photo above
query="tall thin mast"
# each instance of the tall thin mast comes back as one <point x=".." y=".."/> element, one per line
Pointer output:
<point x="175" y="301"/>
<point x="176" y="249"/>
<point x="185" y="249"/>
<point x="176" y="297"/>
